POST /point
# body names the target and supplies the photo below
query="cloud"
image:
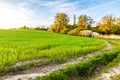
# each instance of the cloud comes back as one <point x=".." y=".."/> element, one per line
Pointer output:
<point x="12" y="16"/>
<point x="59" y="6"/>
<point x="102" y="6"/>
<point x="15" y="13"/>
<point x="93" y="8"/>
<point x="96" y="12"/>
<point x="52" y="7"/>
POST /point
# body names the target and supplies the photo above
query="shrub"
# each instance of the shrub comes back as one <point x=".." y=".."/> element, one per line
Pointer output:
<point x="117" y="30"/>
<point x="95" y="34"/>
<point x="75" y="31"/>
<point x="24" y="27"/>
<point x="87" y="33"/>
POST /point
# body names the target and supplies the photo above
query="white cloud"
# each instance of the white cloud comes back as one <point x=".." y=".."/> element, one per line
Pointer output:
<point x="97" y="12"/>
<point x="60" y="6"/>
<point x="16" y="15"/>
<point x="42" y="12"/>
<point x="102" y="6"/>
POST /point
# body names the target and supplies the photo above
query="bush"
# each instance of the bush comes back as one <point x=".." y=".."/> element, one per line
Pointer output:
<point x="41" y="28"/>
<point x="24" y="27"/>
<point x="75" y="31"/>
<point x="117" y="30"/>
<point x="87" y="33"/>
<point x="95" y="34"/>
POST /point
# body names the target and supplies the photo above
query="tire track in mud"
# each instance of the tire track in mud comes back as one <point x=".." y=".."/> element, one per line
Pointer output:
<point x="34" y="72"/>
<point x="111" y="72"/>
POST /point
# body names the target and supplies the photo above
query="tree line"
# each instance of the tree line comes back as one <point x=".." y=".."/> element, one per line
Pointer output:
<point x="108" y="24"/>
<point x="33" y="28"/>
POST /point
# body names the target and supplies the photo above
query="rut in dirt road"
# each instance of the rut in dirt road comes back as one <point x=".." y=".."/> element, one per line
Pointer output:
<point x="111" y="72"/>
<point x="33" y="72"/>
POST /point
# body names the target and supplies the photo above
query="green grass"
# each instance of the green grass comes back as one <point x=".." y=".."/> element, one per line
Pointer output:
<point x="116" y="61"/>
<point x="21" y="45"/>
<point x="85" y="70"/>
<point x="116" y="77"/>
<point x="116" y="43"/>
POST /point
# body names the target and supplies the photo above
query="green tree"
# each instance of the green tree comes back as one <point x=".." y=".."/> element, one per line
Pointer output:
<point x="107" y="24"/>
<point x="24" y="27"/>
<point x="84" y="22"/>
<point x="117" y="26"/>
<point x="60" y="24"/>
<point x="118" y="21"/>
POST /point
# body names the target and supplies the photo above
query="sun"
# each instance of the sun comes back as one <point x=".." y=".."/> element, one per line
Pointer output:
<point x="11" y="17"/>
<point x="8" y="17"/>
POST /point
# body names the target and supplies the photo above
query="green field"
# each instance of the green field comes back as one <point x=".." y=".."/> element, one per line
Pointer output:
<point x="21" y="45"/>
<point x="116" y="77"/>
<point x="87" y="70"/>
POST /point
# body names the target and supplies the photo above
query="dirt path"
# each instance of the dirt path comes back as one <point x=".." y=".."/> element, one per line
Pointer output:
<point x="111" y="72"/>
<point x="33" y="72"/>
<point x="110" y="36"/>
<point x="105" y="75"/>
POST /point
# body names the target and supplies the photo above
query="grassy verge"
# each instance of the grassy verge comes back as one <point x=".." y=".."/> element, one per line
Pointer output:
<point x="112" y="63"/>
<point x="116" y="77"/>
<point x="22" y="45"/>
<point x="83" y="70"/>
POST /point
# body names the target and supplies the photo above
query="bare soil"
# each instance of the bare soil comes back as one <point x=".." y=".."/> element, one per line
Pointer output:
<point x="107" y="74"/>
<point x="110" y="36"/>
<point x="33" y="72"/>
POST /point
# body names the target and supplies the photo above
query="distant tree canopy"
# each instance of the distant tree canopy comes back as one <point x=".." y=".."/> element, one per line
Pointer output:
<point x="118" y="21"/>
<point x="107" y="24"/>
<point x="117" y="27"/>
<point x="24" y="27"/>
<point x="60" y="24"/>
<point x="84" y="22"/>
<point x="40" y="28"/>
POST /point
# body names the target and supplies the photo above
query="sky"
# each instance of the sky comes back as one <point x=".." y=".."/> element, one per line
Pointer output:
<point x="17" y="13"/>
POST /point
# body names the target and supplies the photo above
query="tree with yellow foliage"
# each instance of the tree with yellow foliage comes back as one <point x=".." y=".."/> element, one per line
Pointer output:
<point x="60" y="24"/>
<point x="118" y="21"/>
<point x="107" y="24"/>
<point x="84" y="22"/>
